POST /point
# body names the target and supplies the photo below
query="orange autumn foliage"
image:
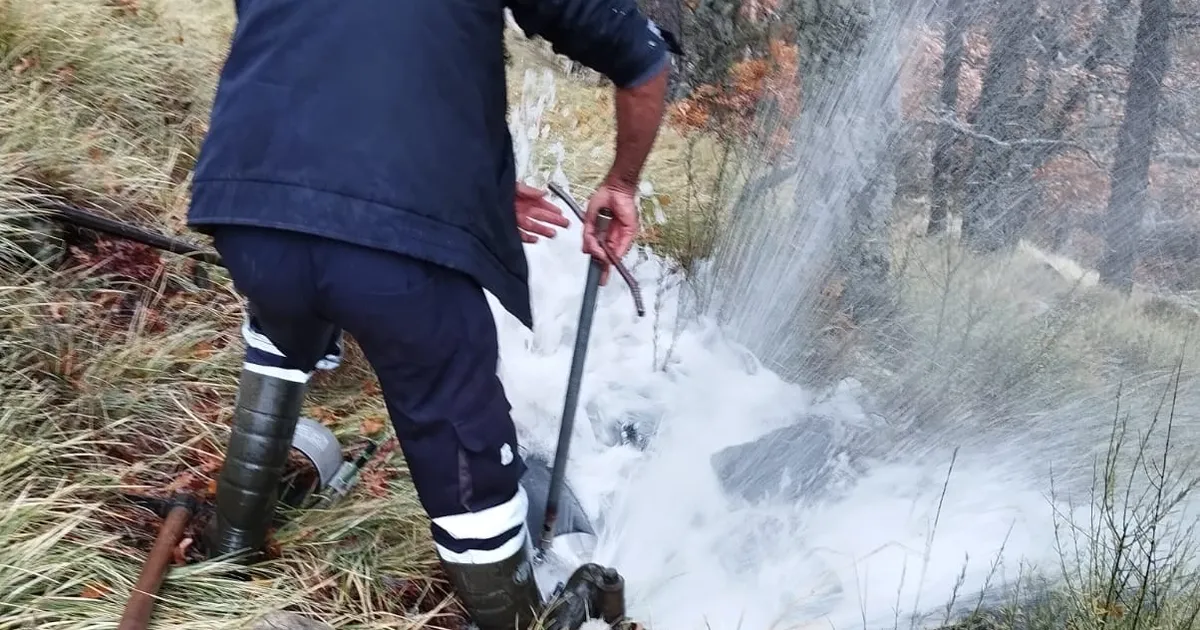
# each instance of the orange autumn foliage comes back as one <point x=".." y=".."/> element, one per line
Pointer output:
<point x="729" y="110"/>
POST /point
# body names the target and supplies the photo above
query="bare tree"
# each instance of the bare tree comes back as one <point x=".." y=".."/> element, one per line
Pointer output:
<point x="943" y="157"/>
<point x="999" y="180"/>
<point x="1135" y="144"/>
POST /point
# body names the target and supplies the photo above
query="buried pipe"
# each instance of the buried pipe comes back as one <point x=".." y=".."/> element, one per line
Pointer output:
<point x="140" y="606"/>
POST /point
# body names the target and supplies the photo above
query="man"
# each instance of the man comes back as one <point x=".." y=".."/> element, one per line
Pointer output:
<point x="358" y="175"/>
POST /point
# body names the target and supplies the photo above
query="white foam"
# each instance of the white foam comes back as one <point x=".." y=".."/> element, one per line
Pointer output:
<point x="692" y="558"/>
<point x="689" y="554"/>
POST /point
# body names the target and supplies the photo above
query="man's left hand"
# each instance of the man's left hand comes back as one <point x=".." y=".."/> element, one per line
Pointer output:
<point x="536" y="214"/>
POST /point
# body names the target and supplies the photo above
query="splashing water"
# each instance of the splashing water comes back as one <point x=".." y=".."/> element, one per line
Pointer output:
<point x="712" y="366"/>
<point x="691" y="555"/>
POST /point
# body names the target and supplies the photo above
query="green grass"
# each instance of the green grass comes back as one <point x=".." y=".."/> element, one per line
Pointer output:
<point x="112" y="385"/>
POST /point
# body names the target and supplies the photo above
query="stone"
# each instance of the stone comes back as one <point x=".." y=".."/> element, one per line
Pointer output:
<point x="807" y="461"/>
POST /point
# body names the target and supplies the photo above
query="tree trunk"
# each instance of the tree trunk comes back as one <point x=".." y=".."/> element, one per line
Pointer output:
<point x="943" y="155"/>
<point x="1135" y="145"/>
<point x="999" y="180"/>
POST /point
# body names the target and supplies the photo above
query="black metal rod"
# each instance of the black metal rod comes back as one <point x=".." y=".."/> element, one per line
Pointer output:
<point x="634" y="289"/>
<point x="88" y="220"/>
<point x="586" y="314"/>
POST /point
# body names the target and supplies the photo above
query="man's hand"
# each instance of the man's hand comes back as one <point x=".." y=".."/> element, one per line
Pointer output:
<point x="621" y="200"/>
<point x="536" y="214"/>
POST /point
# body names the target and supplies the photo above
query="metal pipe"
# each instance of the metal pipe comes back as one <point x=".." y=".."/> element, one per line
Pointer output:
<point x="592" y="591"/>
<point x="141" y="600"/>
<point x="634" y="289"/>
<point x="88" y="220"/>
<point x="586" y="313"/>
<point x="264" y="423"/>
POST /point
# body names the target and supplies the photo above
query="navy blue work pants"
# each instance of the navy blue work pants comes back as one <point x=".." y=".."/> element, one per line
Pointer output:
<point x="428" y="333"/>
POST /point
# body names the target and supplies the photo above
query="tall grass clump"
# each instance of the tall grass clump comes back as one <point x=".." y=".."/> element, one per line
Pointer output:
<point x="1125" y="535"/>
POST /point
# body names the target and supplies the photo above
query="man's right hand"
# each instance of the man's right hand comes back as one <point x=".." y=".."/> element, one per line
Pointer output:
<point x="621" y="199"/>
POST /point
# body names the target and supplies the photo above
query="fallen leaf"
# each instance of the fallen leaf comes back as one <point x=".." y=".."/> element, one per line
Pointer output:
<point x="273" y="549"/>
<point x="203" y="350"/>
<point x="66" y="74"/>
<point x="371" y="388"/>
<point x="24" y="64"/>
<point x="128" y="6"/>
<point x="375" y="482"/>
<point x="181" y="482"/>
<point x="211" y="488"/>
<point x="371" y="425"/>
<point x="324" y="415"/>
<point x="94" y="591"/>
<point x="387" y="448"/>
<point x="180" y="552"/>
<point x="211" y="463"/>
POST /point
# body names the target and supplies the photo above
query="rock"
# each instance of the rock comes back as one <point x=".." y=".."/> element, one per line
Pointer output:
<point x="808" y="461"/>
<point x="288" y="621"/>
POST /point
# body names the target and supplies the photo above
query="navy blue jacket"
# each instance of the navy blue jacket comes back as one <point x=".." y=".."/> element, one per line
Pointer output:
<point x="383" y="122"/>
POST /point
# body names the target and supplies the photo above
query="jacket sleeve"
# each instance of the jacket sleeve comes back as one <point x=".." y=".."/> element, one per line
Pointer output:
<point x="611" y="37"/>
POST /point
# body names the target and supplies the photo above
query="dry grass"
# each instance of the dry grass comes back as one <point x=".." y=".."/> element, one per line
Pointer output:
<point x="1016" y="331"/>
<point x="117" y="373"/>
<point x="682" y="201"/>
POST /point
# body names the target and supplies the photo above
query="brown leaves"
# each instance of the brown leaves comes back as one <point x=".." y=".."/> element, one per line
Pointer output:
<point x="372" y="426"/>
<point x="210" y="463"/>
<point x="122" y="258"/>
<point x="179" y="553"/>
<point x="186" y="480"/>
<point x="203" y="351"/>
<point x="324" y="415"/>
<point x="126" y="7"/>
<point x="272" y="550"/>
<point x="729" y="110"/>
<point x="759" y="10"/>
<point x="375" y="481"/>
<point x="202" y="482"/>
<point x="95" y="590"/>
<point x="23" y="65"/>
<point x="29" y="64"/>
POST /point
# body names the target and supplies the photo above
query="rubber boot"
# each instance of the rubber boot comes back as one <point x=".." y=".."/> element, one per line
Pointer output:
<point x="264" y="422"/>
<point x="498" y="596"/>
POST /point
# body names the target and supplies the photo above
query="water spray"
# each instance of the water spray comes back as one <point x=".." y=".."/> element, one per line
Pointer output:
<point x="586" y="313"/>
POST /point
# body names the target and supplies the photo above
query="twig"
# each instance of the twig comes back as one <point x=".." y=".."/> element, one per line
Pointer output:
<point x="951" y="121"/>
